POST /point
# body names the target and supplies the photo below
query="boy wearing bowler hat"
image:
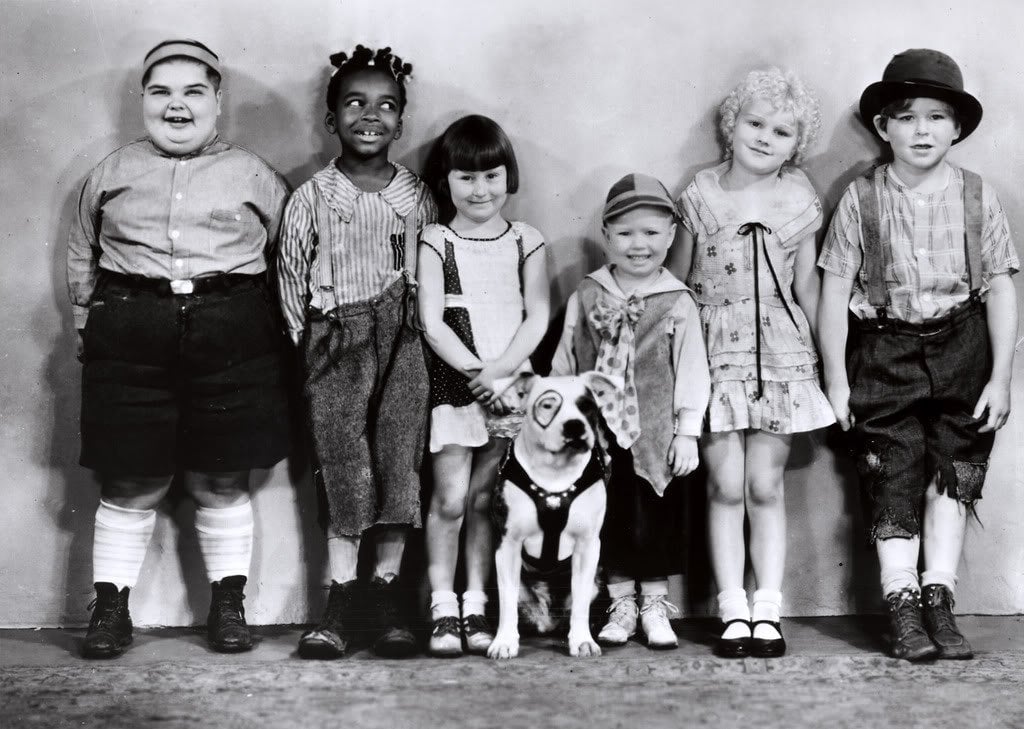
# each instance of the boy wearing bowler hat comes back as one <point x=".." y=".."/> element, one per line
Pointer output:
<point x="179" y="337"/>
<point x="919" y="251"/>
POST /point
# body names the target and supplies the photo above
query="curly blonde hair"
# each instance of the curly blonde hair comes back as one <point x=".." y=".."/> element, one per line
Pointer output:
<point x="784" y="91"/>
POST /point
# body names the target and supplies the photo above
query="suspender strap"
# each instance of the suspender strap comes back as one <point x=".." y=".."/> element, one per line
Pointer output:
<point x="412" y="237"/>
<point x="974" y="217"/>
<point x="868" y="188"/>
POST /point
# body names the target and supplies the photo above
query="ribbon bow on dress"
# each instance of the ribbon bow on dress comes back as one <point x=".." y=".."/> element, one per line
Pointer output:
<point x="616" y="355"/>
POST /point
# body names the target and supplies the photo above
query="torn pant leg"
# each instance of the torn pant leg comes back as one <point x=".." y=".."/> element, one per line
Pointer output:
<point x="891" y="467"/>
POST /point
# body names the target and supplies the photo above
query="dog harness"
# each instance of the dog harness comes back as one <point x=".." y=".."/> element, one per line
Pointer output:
<point x="552" y="506"/>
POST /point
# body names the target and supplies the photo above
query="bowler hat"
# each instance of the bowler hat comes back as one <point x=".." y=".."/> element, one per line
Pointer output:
<point x="921" y="72"/>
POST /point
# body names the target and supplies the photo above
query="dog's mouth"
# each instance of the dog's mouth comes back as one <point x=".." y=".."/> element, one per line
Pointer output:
<point x="578" y="445"/>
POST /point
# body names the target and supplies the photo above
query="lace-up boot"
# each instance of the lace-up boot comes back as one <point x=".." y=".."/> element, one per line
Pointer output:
<point x="621" y="625"/>
<point x="941" y="625"/>
<point x="329" y="639"/>
<point x="395" y="640"/>
<point x="909" y="640"/>
<point x="654" y="619"/>
<point x="110" y="627"/>
<point x="226" y="629"/>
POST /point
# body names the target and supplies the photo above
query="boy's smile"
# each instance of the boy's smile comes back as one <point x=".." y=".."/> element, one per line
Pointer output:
<point x="180" y="107"/>
<point x="637" y="243"/>
<point x="368" y="115"/>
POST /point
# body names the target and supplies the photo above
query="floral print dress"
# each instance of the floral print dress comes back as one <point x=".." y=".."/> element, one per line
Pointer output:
<point x="764" y="367"/>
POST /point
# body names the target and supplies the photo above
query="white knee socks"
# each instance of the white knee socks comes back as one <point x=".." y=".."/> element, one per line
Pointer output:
<point x="120" y="540"/>
<point x="225" y="540"/>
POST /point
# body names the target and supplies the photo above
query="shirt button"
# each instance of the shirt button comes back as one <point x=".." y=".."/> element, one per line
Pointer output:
<point x="237" y="216"/>
<point x="182" y="163"/>
<point x="175" y="234"/>
<point x="179" y="263"/>
<point x="920" y="202"/>
<point x="178" y="196"/>
<point x="922" y="251"/>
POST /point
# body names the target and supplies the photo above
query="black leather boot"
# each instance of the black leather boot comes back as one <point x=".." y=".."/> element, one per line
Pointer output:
<point x="941" y="625"/>
<point x="395" y="640"/>
<point x="110" y="627"/>
<point x="225" y="627"/>
<point x="330" y="638"/>
<point x="909" y="639"/>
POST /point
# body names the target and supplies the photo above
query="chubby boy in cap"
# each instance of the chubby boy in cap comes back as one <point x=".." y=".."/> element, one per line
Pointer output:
<point x="919" y="257"/>
<point x="179" y="337"/>
<point x="633" y="319"/>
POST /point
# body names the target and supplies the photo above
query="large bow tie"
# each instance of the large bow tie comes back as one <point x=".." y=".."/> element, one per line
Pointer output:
<point x="616" y="355"/>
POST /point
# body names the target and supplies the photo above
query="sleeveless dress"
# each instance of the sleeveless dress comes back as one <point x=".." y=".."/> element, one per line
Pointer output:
<point x="483" y="305"/>
<point x="764" y="368"/>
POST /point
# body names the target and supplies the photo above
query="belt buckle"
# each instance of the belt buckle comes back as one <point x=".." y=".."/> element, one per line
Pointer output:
<point x="182" y="286"/>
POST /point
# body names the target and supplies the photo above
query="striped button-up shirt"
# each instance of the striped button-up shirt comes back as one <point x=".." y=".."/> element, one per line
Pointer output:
<point x="363" y="232"/>
<point x="925" y="263"/>
<point x="145" y="213"/>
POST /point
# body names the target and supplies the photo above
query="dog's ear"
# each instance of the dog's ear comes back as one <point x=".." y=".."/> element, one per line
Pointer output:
<point x="521" y="383"/>
<point x="599" y="382"/>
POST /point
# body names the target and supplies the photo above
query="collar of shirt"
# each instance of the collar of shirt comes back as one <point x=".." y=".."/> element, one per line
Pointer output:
<point x="903" y="187"/>
<point x="207" y="148"/>
<point x="665" y="283"/>
<point x="340" y="193"/>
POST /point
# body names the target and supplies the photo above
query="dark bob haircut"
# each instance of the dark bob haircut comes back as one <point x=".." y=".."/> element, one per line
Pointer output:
<point x="473" y="143"/>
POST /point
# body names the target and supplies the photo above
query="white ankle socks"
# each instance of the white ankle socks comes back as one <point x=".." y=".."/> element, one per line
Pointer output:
<point x="473" y="602"/>
<point x="767" y="606"/>
<point x="119" y="545"/>
<point x="654" y="587"/>
<point x="225" y="540"/>
<point x="732" y="605"/>
<point x="938" y="577"/>
<point x="895" y="579"/>
<point x="621" y="589"/>
<point x="443" y="604"/>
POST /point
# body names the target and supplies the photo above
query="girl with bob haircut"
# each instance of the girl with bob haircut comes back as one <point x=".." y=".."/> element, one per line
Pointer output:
<point x="483" y="296"/>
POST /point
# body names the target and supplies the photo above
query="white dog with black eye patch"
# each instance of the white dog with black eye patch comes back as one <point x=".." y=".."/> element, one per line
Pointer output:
<point x="549" y="504"/>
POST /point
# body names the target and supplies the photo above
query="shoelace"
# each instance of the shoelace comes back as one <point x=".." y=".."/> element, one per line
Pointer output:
<point x="942" y="604"/>
<point x="230" y="609"/>
<point x="660" y="604"/>
<point x="907" y="604"/>
<point x="108" y="614"/>
<point x="623" y="607"/>
<point x="336" y="602"/>
<point x="446" y="625"/>
<point x="473" y="624"/>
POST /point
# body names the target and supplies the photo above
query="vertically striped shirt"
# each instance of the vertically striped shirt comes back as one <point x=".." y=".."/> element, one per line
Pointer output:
<point x="363" y="232"/>
<point x="925" y="266"/>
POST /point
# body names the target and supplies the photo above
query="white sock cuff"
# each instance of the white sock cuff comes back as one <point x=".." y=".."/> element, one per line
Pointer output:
<point x="732" y="605"/>
<point x="772" y="597"/>
<point x="443" y="597"/>
<point x="474" y="596"/>
<point x="653" y="587"/>
<point x="939" y="577"/>
<point x="621" y="589"/>
<point x="895" y="579"/>
<point x="124" y="519"/>
<point x="236" y="519"/>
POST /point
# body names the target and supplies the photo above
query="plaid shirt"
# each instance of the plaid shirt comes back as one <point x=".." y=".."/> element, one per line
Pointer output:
<point x="925" y="266"/>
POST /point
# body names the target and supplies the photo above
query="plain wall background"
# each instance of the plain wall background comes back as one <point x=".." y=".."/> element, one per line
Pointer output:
<point x="587" y="91"/>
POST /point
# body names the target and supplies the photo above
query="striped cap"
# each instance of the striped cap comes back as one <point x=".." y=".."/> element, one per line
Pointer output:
<point x="637" y="190"/>
<point x="180" y="48"/>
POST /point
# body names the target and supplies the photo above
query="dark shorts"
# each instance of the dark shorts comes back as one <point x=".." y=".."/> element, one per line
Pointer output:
<point x="644" y="535"/>
<point x="188" y="382"/>
<point x="913" y="389"/>
<point x="366" y="390"/>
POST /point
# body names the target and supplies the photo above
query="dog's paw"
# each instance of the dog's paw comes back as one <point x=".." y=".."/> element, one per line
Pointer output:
<point x="583" y="647"/>
<point x="503" y="647"/>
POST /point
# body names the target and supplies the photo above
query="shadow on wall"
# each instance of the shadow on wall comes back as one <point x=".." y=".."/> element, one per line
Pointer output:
<point x="73" y="492"/>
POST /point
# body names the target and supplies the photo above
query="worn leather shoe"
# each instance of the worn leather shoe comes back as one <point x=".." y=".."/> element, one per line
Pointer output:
<point x="941" y="625"/>
<point x="110" y="627"/>
<point x="329" y="639"/>
<point x="226" y="629"/>
<point x="394" y="640"/>
<point x="909" y="639"/>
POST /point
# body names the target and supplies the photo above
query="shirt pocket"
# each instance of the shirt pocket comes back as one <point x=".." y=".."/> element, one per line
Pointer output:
<point x="234" y="231"/>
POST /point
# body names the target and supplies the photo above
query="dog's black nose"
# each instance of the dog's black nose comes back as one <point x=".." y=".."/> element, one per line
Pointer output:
<point x="573" y="429"/>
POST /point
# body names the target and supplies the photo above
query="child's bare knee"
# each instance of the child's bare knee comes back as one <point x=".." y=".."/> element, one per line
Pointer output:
<point x="764" y="492"/>
<point x="725" y="494"/>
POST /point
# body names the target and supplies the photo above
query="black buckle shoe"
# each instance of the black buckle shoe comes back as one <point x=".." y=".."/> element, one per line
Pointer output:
<point x="733" y="647"/>
<point x="941" y="625"/>
<point x="909" y="639"/>
<point x="767" y="647"/>
<point x="395" y="639"/>
<point x="110" y="627"/>
<point x="329" y="639"/>
<point x="225" y="626"/>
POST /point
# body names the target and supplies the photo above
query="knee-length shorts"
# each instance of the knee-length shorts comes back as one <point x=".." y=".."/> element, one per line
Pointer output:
<point x="913" y="390"/>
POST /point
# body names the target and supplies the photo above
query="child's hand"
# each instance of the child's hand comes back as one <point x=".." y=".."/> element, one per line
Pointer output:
<point x="682" y="455"/>
<point x="839" y="399"/>
<point x="482" y="385"/>
<point x="996" y="399"/>
<point x="81" y="345"/>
